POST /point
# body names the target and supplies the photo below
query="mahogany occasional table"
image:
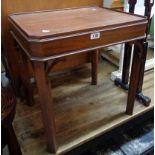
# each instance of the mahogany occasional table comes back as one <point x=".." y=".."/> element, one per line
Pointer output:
<point x="50" y="35"/>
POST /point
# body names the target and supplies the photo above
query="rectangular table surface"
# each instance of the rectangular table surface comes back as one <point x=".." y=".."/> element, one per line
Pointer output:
<point x="43" y="24"/>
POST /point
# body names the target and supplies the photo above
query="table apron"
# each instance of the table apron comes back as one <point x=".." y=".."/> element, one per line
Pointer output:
<point x="43" y="51"/>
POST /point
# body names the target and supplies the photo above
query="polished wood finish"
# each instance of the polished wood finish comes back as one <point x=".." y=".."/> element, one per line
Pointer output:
<point x="126" y="63"/>
<point x="42" y="51"/>
<point x="86" y="17"/>
<point x="26" y="89"/>
<point x="134" y="80"/>
<point x="16" y="6"/>
<point x="94" y="70"/>
<point x="90" y="31"/>
<point x="140" y="84"/>
<point x="44" y="88"/>
<point x="40" y="47"/>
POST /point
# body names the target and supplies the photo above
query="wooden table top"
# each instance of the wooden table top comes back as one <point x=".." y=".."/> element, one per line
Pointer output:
<point x="61" y="22"/>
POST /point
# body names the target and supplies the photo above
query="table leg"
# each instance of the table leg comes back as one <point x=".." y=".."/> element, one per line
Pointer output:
<point x="144" y="99"/>
<point x="125" y="75"/>
<point x="126" y="63"/>
<point x="126" y="67"/>
<point x="94" y="65"/>
<point x="44" y="89"/>
<point x="137" y="63"/>
<point x="25" y="79"/>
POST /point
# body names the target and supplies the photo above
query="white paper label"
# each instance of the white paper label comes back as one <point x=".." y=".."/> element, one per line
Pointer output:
<point x="95" y="35"/>
<point x="45" y="31"/>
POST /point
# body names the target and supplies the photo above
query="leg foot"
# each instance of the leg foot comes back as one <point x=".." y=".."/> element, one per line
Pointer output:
<point x="118" y="82"/>
<point x="145" y="100"/>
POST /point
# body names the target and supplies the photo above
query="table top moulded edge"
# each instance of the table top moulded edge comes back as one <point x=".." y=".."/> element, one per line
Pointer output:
<point x="30" y="39"/>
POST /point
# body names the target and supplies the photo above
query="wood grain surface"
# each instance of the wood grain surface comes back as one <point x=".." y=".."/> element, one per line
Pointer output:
<point x="16" y="6"/>
<point x="43" y="37"/>
<point x="82" y="111"/>
<point x="68" y="21"/>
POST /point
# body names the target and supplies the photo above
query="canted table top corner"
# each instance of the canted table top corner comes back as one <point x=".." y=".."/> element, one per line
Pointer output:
<point x="44" y="24"/>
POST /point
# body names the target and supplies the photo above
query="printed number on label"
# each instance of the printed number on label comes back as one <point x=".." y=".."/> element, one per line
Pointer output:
<point x="95" y="35"/>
